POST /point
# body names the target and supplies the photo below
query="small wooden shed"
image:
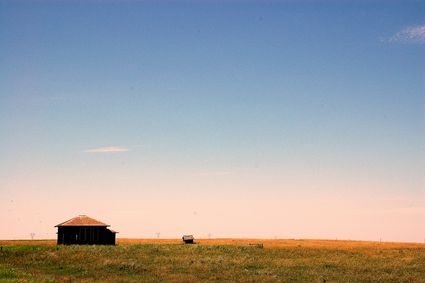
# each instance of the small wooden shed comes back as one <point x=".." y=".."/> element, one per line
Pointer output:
<point x="188" y="239"/>
<point x="83" y="230"/>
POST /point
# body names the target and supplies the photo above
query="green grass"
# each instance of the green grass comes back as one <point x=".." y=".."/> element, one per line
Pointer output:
<point x="209" y="263"/>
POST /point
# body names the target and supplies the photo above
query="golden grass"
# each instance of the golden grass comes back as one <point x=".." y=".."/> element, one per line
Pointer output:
<point x="213" y="260"/>
<point x="268" y="243"/>
<point x="277" y="243"/>
<point x="27" y="242"/>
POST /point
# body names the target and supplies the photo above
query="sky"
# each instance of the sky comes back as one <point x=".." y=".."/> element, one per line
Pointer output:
<point x="268" y="119"/>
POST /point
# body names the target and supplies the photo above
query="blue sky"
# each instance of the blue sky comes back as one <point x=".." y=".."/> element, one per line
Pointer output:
<point x="194" y="105"/>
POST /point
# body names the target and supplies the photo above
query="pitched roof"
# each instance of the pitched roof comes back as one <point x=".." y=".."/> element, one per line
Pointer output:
<point x="82" y="220"/>
<point x="188" y="237"/>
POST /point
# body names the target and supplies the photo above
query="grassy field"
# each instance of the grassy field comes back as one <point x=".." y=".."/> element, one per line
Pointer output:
<point x="215" y="260"/>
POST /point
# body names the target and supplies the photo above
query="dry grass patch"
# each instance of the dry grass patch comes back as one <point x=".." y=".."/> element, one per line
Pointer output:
<point x="213" y="260"/>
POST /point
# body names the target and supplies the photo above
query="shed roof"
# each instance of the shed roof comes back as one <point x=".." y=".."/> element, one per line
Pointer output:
<point x="82" y="220"/>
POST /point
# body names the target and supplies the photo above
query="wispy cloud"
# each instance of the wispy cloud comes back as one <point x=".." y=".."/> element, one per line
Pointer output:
<point x="107" y="149"/>
<point x="413" y="34"/>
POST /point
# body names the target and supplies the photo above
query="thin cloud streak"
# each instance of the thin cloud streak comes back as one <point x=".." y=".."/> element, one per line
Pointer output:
<point x="107" y="149"/>
<point x="413" y="34"/>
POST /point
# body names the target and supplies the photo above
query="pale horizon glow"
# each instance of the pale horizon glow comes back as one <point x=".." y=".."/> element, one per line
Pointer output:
<point x="252" y="119"/>
<point x="107" y="149"/>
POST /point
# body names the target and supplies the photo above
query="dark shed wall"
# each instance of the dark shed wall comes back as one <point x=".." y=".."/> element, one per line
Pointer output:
<point x="85" y="235"/>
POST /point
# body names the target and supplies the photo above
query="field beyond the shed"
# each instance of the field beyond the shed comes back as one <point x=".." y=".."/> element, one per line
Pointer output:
<point x="210" y="260"/>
